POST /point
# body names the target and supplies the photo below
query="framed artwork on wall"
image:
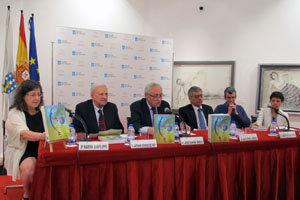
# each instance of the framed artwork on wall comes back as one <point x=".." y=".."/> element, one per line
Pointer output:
<point x="211" y="76"/>
<point x="284" y="78"/>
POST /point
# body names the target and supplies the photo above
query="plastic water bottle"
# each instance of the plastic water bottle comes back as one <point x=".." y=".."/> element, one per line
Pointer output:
<point x="72" y="139"/>
<point x="273" y="127"/>
<point x="232" y="129"/>
<point x="176" y="128"/>
<point x="130" y="133"/>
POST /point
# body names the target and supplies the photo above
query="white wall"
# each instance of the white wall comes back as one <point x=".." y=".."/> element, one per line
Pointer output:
<point x="249" y="32"/>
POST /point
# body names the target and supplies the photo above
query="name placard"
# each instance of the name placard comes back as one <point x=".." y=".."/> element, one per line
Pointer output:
<point x="287" y="134"/>
<point x="93" y="145"/>
<point x="248" y="137"/>
<point x="135" y="144"/>
<point x="191" y="140"/>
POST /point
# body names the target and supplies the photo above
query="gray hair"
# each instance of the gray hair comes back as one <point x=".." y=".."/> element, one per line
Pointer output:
<point x="93" y="87"/>
<point x="150" y="86"/>
<point x="193" y="89"/>
<point x="229" y="90"/>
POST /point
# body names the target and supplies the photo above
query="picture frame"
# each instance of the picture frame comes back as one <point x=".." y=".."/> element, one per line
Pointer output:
<point x="284" y="78"/>
<point x="211" y="76"/>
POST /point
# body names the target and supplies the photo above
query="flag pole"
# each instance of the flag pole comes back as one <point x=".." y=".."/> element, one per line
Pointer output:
<point x="52" y="44"/>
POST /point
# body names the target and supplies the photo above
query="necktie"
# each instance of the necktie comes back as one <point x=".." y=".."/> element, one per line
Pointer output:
<point x="102" y="126"/>
<point x="201" y="120"/>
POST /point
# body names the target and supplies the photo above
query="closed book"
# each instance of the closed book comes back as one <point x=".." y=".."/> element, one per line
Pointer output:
<point x="55" y="123"/>
<point x="164" y="131"/>
<point x="218" y="127"/>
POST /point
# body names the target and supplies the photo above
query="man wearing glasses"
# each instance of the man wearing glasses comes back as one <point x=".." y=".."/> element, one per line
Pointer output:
<point x="195" y="114"/>
<point x="142" y="111"/>
<point x="236" y="112"/>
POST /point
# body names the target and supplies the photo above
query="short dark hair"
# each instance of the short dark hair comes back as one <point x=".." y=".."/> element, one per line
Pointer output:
<point x="193" y="89"/>
<point x="22" y="90"/>
<point x="229" y="90"/>
<point x="278" y="95"/>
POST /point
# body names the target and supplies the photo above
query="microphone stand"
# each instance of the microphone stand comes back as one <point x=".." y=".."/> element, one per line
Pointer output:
<point x="287" y="120"/>
<point x="184" y="134"/>
<point x="78" y="117"/>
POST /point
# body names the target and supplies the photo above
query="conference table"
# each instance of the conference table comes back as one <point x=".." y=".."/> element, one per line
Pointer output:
<point x="265" y="169"/>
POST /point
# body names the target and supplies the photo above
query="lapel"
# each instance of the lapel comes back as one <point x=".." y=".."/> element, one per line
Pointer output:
<point x="93" y="122"/>
<point x="192" y="115"/>
<point x="146" y="112"/>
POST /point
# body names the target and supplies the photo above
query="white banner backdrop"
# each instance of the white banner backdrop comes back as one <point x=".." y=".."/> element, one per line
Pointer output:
<point x="125" y="63"/>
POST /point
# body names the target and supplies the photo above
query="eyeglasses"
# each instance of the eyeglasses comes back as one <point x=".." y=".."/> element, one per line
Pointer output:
<point x="156" y="96"/>
<point x="35" y="94"/>
<point x="197" y="96"/>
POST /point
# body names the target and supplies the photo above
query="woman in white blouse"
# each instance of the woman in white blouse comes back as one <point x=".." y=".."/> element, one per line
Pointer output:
<point x="266" y="115"/>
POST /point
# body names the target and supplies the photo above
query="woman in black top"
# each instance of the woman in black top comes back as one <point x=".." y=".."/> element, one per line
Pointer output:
<point x="25" y="128"/>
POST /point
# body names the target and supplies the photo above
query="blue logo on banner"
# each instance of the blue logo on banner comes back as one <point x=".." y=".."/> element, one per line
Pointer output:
<point x="136" y="38"/>
<point x="150" y="68"/>
<point x="123" y="47"/>
<point x="73" y="53"/>
<point x="135" y="57"/>
<point x="134" y="95"/>
<point x="122" y="104"/>
<point x="105" y="55"/>
<point x="150" y="49"/>
<point x="73" y="94"/>
<point x="122" y="85"/>
<point x="134" y="76"/>
<point x="161" y="78"/>
<point x="163" y="42"/>
<point x="59" y="41"/>
<point x="122" y="66"/>
<point x="58" y="103"/>
<point x="93" y="44"/>
<point x="74" y="32"/>
<point x="105" y="75"/>
<point x="92" y="64"/>
<point x="59" y="62"/>
<point x="59" y="83"/>
<point x="73" y="73"/>
<point x="106" y="35"/>
<point x="92" y="83"/>
<point x="162" y="60"/>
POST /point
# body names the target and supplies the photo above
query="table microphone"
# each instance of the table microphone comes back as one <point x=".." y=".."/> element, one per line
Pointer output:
<point x="273" y="108"/>
<point x="79" y="118"/>
<point x="184" y="134"/>
<point x="279" y="113"/>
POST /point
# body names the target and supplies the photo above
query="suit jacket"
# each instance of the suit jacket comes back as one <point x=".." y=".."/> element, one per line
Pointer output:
<point x="87" y="112"/>
<point x="188" y="114"/>
<point x="140" y="113"/>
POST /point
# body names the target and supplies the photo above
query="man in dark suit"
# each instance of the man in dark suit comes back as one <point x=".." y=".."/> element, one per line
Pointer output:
<point x="196" y="113"/>
<point x="142" y="111"/>
<point x="97" y="113"/>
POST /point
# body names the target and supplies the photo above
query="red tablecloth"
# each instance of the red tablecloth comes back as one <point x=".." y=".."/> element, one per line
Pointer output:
<point x="264" y="169"/>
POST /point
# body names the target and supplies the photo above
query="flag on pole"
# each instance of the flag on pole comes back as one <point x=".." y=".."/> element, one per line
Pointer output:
<point x="8" y="80"/>
<point x="22" y="71"/>
<point x="33" y="60"/>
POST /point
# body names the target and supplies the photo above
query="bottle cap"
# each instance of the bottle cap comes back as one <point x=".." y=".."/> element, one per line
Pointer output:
<point x="130" y="125"/>
<point x="71" y="125"/>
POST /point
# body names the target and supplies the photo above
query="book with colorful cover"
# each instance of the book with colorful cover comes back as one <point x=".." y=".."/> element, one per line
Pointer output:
<point x="55" y="123"/>
<point x="218" y="127"/>
<point x="164" y="131"/>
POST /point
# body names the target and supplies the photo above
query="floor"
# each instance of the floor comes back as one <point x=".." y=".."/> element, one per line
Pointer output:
<point x="12" y="193"/>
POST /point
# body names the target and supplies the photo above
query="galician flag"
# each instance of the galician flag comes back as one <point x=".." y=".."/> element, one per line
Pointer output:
<point x="22" y="70"/>
<point x="8" y="80"/>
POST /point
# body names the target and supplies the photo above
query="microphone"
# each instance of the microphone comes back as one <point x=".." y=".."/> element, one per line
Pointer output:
<point x="82" y="122"/>
<point x="169" y="111"/>
<point x="279" y="113"/>
<point x="273" y="108"/>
